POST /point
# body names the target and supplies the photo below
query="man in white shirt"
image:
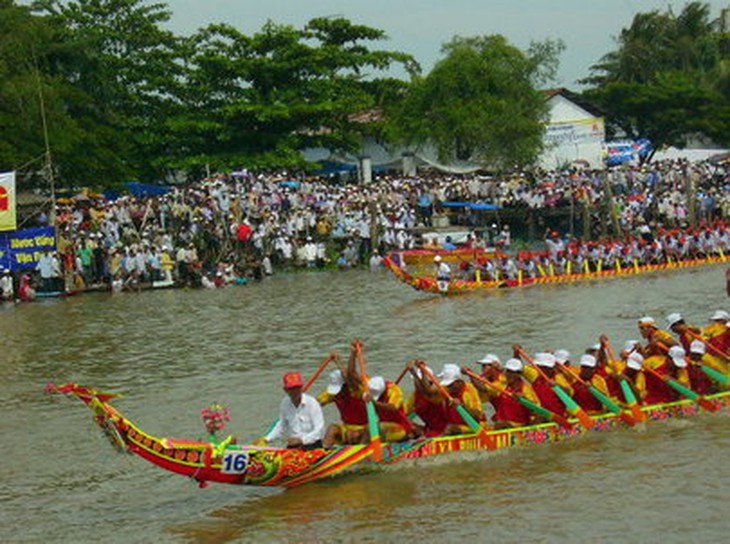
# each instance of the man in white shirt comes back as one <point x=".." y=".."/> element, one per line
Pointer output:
<point x="301" y="421"/>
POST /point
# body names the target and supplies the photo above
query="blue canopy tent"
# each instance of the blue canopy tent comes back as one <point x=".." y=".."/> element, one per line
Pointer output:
<point x="479" y="206"/>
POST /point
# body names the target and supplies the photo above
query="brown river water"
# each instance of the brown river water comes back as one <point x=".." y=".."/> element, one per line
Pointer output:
<point x="175" y="352"/>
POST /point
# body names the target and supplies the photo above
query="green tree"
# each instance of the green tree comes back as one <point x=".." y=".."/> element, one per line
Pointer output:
<point x="258" y="100"/>
<point x="480" y="102"/>
<point x="128" y="67"/>
<point x="667" y="80"/>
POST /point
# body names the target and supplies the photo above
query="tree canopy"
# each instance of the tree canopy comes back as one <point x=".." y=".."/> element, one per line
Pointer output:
<point x="668" y="80"/>
<point x="481" y="102"/>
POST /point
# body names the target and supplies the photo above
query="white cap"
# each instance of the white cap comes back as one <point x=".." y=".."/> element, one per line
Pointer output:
<point x="588" y="360"/>
<point x="546" y="360"/>
<point x="488" y="359"/>
<point x="376" y="385"/>
<point x="720" y="315"/>
<point x="697" y="346"/>
<point x="646" y="320"/>
<point x="562" y="355"/>
<point x="437" y="258"/>
<point x="595" y="347"/>
<point x="449" y="374"/>
<point x="635" y="361"/>
<point x="677" y="353"/>
<point x="674" y="318"/>
<point x="337" y="380"/>
<point x="631" y="345"/>
<point x="514" y="365"/>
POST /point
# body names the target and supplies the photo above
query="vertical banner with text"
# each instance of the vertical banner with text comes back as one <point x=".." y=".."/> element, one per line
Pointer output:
<point x="7" y="201"/>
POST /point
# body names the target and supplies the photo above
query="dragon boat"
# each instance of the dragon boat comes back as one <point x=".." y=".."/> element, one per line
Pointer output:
<point x="229" y="463"/>
<point x="423" y="277"/>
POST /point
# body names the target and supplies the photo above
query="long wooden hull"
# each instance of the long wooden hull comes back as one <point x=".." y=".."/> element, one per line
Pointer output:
<point x="266" y="466"/>
<point x="428" y="283"/>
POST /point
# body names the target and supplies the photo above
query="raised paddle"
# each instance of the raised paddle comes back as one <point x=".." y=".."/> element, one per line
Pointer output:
<point x="544" y="412"/>
<point x="600" y="395"/>
<point x="463" y="412"/>
<point x="373" y="422"/>
<point x="573" y="407"/>
<point x="628" y="391"/>
<point x="685" y="391"/>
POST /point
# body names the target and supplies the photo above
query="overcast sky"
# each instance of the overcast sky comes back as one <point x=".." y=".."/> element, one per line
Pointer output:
<point x="419" y="27"/>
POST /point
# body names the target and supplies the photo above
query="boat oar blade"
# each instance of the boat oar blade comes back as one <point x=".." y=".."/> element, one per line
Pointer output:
<point x="687" y="392"/>
<point x="639" y="416"/>
<point x="573" y="408"/>
<point x="552" y="416"/>
<point x="612" y="406"/>
<point x="374" y="427"/>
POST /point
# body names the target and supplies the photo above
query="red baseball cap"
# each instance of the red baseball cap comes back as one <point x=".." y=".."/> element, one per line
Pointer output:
<point x="292" y="380"/>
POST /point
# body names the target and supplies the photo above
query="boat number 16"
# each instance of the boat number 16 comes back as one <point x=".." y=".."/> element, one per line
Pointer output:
<point x="235" y="462"/>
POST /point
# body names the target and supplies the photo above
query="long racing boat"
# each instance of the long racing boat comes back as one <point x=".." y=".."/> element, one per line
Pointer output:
<point x="230" y="463"/>
<point x="415" y="268"/>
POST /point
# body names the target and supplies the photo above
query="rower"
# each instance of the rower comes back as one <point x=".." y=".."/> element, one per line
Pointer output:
<point x="672" y="366"/>
<point x="345" y="390"/>
<point x="717" y="335"/>
<point x="301" y="420"/>
<point x="581" y="393"/>
<point x="492" y="372"/>
<point x="685" y="332"/>
<point x="634" y="373"/>
<point x="508" y="411"/>
<point x="545" y="393"/>
<point x="698" y="354"/>
<point x="388" y="399"/>
<point x="462" y="393"/>
<point x="699" y="381"/>
<point x="656" y="338"/>
<point x="425" y="402"/>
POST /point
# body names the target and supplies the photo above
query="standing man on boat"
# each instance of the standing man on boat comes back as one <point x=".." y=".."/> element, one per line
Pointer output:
<point x="443" y="274"/>
<point x="301" y="421"/>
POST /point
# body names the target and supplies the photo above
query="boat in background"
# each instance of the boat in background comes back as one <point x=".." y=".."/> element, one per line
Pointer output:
<point x="230" y="463"/>
<point x="416" y="268"/>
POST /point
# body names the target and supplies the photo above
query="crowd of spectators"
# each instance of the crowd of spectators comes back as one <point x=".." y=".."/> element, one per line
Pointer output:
<point x="247" y="224"/>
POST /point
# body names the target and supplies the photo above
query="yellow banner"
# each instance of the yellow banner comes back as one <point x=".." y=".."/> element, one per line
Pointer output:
<point x="8" y="219"/>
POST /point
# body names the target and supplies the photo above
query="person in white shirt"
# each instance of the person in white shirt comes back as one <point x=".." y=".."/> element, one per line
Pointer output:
<point x="7" y="292"/>
<point x="301" y="421"/>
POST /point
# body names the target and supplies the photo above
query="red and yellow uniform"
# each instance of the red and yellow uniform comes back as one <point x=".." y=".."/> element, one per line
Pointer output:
<point x="638" y="380"/>
<point x="583" y="396"/>
<point x="657" y="390"/>
<point x="717" y="336"/>
<point x="428" y="408"/>
<point x="351" y="407"/>
<point x="699" y="381"/>
<point x="394" y="424"/>
<point x="547" y="396"/>
<point x="609" y="372"/>
<point x="511" y="411"/>
<point x="658" y="340"/>
<point x="469" y="397"/>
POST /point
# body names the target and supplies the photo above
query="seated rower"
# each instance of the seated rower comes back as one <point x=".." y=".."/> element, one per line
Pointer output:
<point x="699" y="381"/>
<point x="388" y="399"/>
<point x="581" y="393"/>
<point x="674" y="367"/>
<point x="301" y="421"/>
<point x="492" y="372"/>
<point x="543" y="388"/>
<point x="657" y="340"/>
<point x="685" y="332"/>
<point x="508" y="411"/>
<point x="698" y="354"/>
<point x="717" y="336"/>
<point x="425" y="402"/>
<point x="634" y="373"/>
<point x="345" y="390"/>
<point x="462" y="393"/>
